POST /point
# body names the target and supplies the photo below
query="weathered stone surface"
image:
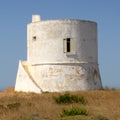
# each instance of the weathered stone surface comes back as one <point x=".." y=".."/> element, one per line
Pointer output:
<point x="61" y="56"/>
<point x="24" y="81"/>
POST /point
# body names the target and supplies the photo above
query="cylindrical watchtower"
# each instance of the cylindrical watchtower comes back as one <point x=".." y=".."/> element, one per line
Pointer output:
<point x="62" y="55"/>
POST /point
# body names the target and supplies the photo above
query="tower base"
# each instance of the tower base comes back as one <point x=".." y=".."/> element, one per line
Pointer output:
<point x="57" y="77"/>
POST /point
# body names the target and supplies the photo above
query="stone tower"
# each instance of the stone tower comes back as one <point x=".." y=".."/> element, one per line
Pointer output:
<point x="62" y="55"/>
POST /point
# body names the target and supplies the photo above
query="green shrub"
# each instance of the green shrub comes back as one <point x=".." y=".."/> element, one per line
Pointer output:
<point x="13" y="105"/>
<point x="67" y="98"/>
<point x="74" y="111"/>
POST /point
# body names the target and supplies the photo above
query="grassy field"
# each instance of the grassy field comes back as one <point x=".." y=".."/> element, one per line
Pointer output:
<point x="100" y="105"/>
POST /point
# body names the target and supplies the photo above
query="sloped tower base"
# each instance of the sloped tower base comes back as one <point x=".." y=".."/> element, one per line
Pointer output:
<point x="57" y="77"/>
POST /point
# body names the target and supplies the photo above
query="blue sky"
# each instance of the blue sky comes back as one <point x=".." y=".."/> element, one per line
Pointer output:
<point x="16" y="14"/>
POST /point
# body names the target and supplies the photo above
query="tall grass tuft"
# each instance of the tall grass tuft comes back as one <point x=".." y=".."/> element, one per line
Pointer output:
<point x="14" y="105"/>
<point x="100" y="117"/>
<point x="24" y="118"/>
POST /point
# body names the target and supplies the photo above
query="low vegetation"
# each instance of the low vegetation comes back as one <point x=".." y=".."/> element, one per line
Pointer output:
<point x="74" y="111"/>
<point x="68" y="98"/>
<point x="82" y="105"/>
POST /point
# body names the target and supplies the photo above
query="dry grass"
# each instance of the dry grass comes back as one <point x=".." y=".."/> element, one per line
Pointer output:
<point x="30" y="106"/>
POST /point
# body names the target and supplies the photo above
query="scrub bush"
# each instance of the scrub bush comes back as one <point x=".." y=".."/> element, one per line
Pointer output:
<point x="67" y="99"/>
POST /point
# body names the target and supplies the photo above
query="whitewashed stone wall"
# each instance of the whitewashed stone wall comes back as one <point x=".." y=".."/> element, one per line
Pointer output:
<point x="49" y="67"/>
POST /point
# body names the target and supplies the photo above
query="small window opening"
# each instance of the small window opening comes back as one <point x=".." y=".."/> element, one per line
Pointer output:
<point x="68" y="45"/>
<point x="34" y="38"/>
